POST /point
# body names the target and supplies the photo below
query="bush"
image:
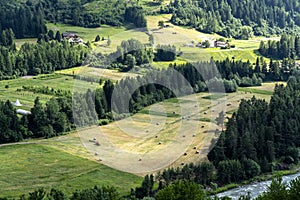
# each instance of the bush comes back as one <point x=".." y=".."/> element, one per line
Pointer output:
<point x="103" y="122"/>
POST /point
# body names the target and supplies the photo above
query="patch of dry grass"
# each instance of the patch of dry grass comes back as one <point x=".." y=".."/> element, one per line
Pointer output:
<point x="160" y="135"/>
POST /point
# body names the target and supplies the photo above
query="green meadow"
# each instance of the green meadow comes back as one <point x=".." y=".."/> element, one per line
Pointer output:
<point x="27" y="167"/>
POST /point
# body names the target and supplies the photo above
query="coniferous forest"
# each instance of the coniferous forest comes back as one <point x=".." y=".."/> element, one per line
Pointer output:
<point x="288" y="47"/>
<point x="34" y="59"/>
<point x="238" y="19"/>
<point x="28" y="19"/>
<point x="25" y="21"/>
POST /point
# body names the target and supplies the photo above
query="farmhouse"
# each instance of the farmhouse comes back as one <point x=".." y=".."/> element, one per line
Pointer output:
<point x="75" y="40"/>
<point x="221" y="44"/>
<point x="72" y="38"/>
<point x="68" y="35"/>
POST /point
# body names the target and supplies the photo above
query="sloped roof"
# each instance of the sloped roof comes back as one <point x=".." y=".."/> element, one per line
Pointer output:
<point x="17" y="103"/>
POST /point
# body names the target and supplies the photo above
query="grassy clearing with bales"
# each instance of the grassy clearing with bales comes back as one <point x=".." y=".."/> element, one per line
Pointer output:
<point x="162" y="135"/>
<point x="165" y="134"/>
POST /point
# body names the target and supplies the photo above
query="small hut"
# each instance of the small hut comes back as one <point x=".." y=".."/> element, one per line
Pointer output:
<point x="17" y="103"/>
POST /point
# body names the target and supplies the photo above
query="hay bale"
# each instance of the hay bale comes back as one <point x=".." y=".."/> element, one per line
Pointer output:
<point x="96" y="153"/>
<point x="157" y="123"/>
<point x="195" y="147"/>
<point x="202" y="126"/>
<point x="160" y="143"/>
<point x="194" y="135"/>
<point x="197" y="152"/>
<point x="182" y="163"/>
<point x="97" y="143"/>
<point x="205" y="113"/>
<point x="183" y="136"/>
<point x="100" y="159"/>
<point x="185" y="154"/>
<point x="156" y="136"/>
<point x="140" y="159"/>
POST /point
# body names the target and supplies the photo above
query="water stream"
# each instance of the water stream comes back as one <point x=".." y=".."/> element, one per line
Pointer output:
<point x="255" y="189"/>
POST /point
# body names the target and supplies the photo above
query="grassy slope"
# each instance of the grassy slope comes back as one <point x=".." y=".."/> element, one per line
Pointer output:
<point x="65" y="163"/>
<point x="104" y="74"/>
<point x="125" y="141"/>
<point x="25" y="168"/>
<point x="55" y="161"/>
<point x="55" y="81"/>
<point x="245" y="49"/>
<point x="60" y="80"/>
<point x="86" y="33"/>
<point x="117" y="35"/>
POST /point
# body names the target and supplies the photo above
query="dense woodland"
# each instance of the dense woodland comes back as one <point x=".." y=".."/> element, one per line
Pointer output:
<point x="235" y="18"/>
<point x="25" y="21"/>
<point x="45" y="121"/>
<point x="28" y="19"/>
<point x="44" y="57"/>
<point x="264" y="133"/>
<point x="58" y="116"/>
<point x="288" y="47"/>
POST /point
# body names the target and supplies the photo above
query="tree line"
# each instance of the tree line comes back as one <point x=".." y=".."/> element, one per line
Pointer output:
<point x="45" y="57"/>
<point x="130" y="95"/>
<point x="58" y="116"/>
<point x="234" y="18"/>
<point x="78" y="13"/>
<point x="178" y="190"/>
<point x="158" y="85"/>
<point x="206" y="174"/>
<point x="264" y="133"/>
<point x="28" y="19"/>
<point x="288" y="47"/>
<point x="46" y="121"/>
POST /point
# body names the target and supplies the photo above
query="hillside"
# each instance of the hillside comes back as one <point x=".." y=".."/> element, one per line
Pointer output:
<point x="167" y="134"/>
<point x="235" y="18"/>
<point x="70" y="162"/>
<point x="112" y="90"/>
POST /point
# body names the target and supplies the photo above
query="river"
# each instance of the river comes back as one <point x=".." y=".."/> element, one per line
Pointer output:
<point x="255" y="189"/>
